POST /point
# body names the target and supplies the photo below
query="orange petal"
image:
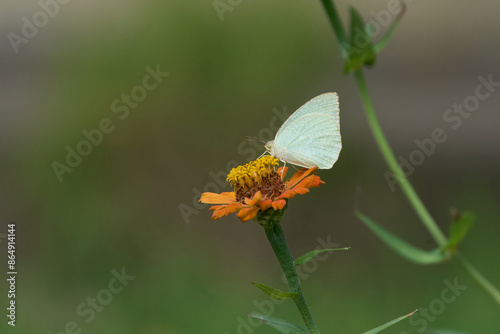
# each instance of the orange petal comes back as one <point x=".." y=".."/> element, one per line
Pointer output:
<point x="302" y="187"/>
<point x="312" y="181"/>
<point x="230" y="208"/>
<point x="290" y="193"/>
<point x="218" y="214"/>
<point x="222" y="198"/>
<point x="299" y="175"/>
<point x="287" y="194"/>
<point x="279" y="171"/>
<point x="265" y="205"/>
<point x="217" y="207"/>
<point x="224" y="210"/>
<point x="301" y="191"/>
<point x="247" y="213"/>
<point x="279" y="204"/>
<point x="257" y="197"/>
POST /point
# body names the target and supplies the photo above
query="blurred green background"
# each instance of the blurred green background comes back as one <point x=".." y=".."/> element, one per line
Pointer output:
<point x="121" y="206"/>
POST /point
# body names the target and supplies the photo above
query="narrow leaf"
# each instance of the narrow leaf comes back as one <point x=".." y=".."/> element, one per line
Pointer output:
<point x="275" y="293"/>
<point x="361" y="50"/>
<point x="460" y="225"/>
<point x="389" y="324"/>
<point x="403" y="248"/>
<point x="308" y="256"/>
<point x="283" y="326"/>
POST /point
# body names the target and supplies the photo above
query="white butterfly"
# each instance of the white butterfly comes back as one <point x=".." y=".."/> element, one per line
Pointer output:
<point x="311" y="136"/>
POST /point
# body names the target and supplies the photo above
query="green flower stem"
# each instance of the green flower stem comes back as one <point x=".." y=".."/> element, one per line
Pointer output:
<point x="391" y="161"/>
<point x="277" y="240"/>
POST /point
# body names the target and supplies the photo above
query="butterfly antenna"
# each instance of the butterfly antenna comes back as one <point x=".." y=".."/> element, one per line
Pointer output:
<point x="250" y="138"/>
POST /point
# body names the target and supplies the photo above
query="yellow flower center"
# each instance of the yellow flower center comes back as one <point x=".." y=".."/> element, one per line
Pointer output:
<point x="259" y="175"/>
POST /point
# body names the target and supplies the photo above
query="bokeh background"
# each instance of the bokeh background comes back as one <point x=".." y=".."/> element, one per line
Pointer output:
<point x="121" y="206"/>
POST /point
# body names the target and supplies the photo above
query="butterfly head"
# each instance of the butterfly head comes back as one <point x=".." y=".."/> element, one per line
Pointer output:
<point x="269" y="146"/>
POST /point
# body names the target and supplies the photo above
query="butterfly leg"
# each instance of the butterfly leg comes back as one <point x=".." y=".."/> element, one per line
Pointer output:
<point x="283" y="169"/>
<point x="260" y="156"/>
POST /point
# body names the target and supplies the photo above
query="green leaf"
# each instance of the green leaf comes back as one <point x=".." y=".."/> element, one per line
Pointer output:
<point x="461" y="224"/>
<point x="385" y="40"/>
<point x="308" y="256"/>
<point x="275" y="293"/>
<point x="361" y="50"/>
<point x="389" y="324"/>
<point x="403" y="248"/>
<point x="283" y="326"/>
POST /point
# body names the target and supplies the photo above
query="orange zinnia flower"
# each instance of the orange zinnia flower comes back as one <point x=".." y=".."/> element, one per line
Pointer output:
<point x="259" y="187"/>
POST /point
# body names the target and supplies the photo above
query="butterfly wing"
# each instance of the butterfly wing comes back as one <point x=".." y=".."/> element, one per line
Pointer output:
<point x="327" y="103"/>
<point x="310" y="140"/>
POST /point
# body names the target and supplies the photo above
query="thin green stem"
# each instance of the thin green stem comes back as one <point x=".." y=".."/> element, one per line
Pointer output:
<point x="478" y="277"/>
<point x="391" y="161"/>
<point x="382" y="142"/>
<point x="410" y="193"/>
<point x="277" y="240"/>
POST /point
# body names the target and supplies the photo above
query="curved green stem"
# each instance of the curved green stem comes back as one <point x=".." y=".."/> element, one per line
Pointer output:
<point x="391" y="161"/>
<point x="277" y="240"/>
<point x="398" y="173"/>
<point x="410" y="193"/>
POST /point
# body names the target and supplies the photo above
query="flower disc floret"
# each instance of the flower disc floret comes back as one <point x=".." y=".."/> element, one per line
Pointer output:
<point x="259" y="175"/>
